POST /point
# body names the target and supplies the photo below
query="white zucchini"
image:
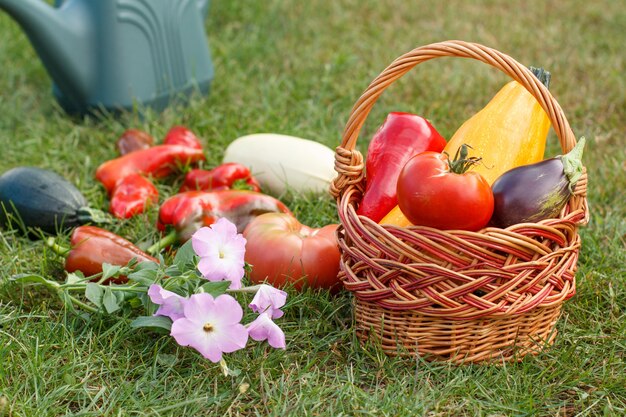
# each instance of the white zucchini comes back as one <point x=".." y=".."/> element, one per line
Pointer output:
<point x="281" y="162"/>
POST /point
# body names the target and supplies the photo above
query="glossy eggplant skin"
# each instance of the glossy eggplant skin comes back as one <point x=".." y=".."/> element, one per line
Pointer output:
<point x="40" y="198"/>
<point x="530" y="193"/>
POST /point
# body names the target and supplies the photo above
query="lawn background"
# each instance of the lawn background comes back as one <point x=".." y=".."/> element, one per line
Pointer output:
<point x="297" y="67"/>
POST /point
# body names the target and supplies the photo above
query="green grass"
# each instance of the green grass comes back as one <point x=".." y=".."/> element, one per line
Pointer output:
<point x="297" y="67"/>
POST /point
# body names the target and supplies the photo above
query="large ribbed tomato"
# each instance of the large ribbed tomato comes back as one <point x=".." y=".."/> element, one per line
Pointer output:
<point x="281" y="250"/>
<point x="434" y="191"/>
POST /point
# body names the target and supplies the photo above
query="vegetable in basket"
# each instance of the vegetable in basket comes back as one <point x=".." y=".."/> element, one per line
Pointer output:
<point x="510" y="131"/>
<point x="187" y="212"/>
<point x="38" y="198"/>
<point x="222" y="177"/>
<point x="281" y="162"/>
<point x="297" y="254"/>
<point x="91" y="246"/>
<point x="436" y="192"/>
<point x="535" y="192"/>
<point x="401" y="136"/>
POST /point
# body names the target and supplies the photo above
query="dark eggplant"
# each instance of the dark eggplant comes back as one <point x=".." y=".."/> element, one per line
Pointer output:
<point x="36" y="198"/>
<point x="530" y="193"/>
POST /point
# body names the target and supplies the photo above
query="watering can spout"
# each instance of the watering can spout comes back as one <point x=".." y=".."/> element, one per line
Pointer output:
<point x="61" y="37"/>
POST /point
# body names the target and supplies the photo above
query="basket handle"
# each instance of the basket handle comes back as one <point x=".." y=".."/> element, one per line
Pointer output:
<point x="349" y="162"/>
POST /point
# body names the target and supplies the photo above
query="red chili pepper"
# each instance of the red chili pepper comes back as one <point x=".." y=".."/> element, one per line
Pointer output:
<point x="401" y="136"/>
<point x="180" y="135"/>
<point x="187" y="212"/>
<point x="132" y="195"/>
<point x="92" y="246"/>
<point x="133" y="140"/>
<point x="222" y="177"/>
<point x="158" y="161"/>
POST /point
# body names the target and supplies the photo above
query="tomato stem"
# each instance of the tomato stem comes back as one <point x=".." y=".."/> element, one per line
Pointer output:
<point x="461" y="162"/>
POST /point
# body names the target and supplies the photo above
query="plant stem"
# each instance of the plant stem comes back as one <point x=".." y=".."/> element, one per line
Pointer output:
<point x="82" y="305"/>
<point x="164" y="242"/>
<point x="56" y="248"/>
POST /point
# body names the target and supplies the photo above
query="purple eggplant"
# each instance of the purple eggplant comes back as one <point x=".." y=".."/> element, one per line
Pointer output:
<point x="530" y="193"/>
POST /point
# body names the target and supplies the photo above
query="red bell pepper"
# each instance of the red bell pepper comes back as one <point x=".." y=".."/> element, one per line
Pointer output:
<point x="92" y="246"/>
<point x="131" y="195"/>
<point x="222" y="177"/>
<point x="180" y="135"/>
<point x="158" y="161"/>
<point x="401" y="136"/>
<point x="133" y="140"/>
<point x="187" y="212"/>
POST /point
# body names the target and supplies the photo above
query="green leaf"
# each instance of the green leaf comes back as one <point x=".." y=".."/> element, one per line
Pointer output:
<point x="145" y="273"/>
<point x="109" y="270"/>
<point x="135" y="302"/>
<point x="32" y="279"/>
<point x="172" y="271"/>
<point x="156" y="322"/>
<point x="94" y="293"/>
<point x="216" y="288"/>
<point x="74" y="278"/>
<point x="110" y="301"/>
<point x="185" y="255"/>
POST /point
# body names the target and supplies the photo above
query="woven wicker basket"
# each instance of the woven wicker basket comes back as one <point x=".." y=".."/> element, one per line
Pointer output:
<point x="459" y="296"/>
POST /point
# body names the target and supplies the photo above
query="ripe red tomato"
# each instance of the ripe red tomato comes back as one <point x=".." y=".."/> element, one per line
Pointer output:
<point x="431" y="193"/>
<point x="282" y="250"/>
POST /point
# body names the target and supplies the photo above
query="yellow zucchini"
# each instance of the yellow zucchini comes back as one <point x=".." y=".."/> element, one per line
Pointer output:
<point x="509" y="132"/>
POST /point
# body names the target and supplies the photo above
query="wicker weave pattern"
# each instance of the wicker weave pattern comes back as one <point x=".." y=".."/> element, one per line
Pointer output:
<point x="456" y="295"/>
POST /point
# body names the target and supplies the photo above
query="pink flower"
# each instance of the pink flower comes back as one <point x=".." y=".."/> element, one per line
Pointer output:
<point x="269" y="299"/>
<point x="264" y="328"/>
<point x="211" y="326"/>
<point x="170" y="303"/>
<point x="221" y="252"/>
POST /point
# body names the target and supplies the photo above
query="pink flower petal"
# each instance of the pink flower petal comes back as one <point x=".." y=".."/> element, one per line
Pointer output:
<point x="170" y="304"/>
<point x="236" y="339"/>
<point x="263" y="328"/>
<point x="230" y="310"/>
<point x="224" y="227"/>
<point x="200" y="308"/>
<point x="269" y="299"/>
<point x="201" y="241"/>
<point x="189" y="333"/>
<point x="221" y="252"/>
<point x="211" y="325"/>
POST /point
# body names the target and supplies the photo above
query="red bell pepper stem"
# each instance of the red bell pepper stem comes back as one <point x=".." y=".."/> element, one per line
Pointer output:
<point x="167" y="240"/>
